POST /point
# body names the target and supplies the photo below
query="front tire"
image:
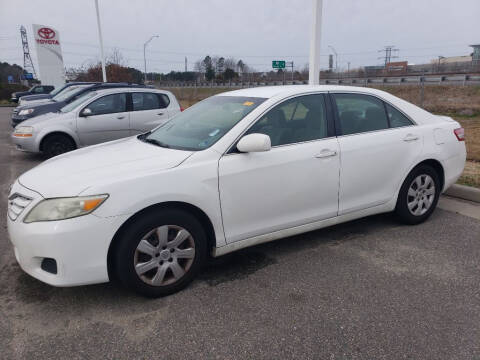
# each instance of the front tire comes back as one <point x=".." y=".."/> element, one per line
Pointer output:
<point x="161" y="252"/>
<point x="57" y="144"/>
<point x="418" y="195"/>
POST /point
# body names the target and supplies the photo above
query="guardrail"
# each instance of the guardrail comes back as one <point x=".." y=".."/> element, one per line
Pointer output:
<point x="454" y="79"/>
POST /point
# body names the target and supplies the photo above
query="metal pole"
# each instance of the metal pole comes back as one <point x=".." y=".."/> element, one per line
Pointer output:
<point x="422" y="90"/>
<point x="145" y="65"/>
<point x="145" y="58"/>
<point x="314" y="64"/>
<point x="104" y="73"/>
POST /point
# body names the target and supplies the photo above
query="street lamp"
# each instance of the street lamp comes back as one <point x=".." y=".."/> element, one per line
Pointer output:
<point x="336" y="57"/>
<point x="144" y="57"/>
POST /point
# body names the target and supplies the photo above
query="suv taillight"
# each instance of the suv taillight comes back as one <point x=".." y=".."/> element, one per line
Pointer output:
<point x="460" y="134"/>
<point x="181" y="108"/>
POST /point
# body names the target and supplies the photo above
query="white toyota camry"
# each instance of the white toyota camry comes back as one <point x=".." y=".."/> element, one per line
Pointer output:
<point x="235" y="170"/>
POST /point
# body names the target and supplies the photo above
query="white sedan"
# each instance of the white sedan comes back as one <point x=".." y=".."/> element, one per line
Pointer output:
<point x="235" y="170"/>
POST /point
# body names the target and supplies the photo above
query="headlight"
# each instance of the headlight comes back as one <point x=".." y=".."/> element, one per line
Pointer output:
<point x="23" y="131"/>
<point x="64" y="208"/>
<point x="26" y="112"/>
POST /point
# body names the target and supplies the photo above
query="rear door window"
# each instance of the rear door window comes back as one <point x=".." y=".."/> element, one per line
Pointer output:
<point x="397" y="119"/>
<point x="147" y="101"/>
<point x="360" y="113"/>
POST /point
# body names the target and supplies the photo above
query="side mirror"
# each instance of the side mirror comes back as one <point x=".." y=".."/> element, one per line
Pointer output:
<point x="86" y="112"/>
<point x="254" y="143"/>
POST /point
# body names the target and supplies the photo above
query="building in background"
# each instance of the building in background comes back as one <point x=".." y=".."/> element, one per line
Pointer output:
<point x="476" y="55"/>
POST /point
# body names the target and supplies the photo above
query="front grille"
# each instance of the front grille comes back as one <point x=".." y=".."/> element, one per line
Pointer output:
<point x="16" y="204"/>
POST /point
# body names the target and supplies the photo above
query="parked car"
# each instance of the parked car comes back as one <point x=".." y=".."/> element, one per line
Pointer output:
<point x="22" y="113"/>
<point x="36" y="99"/>
<point x="34" y="90"/>
<point x="95" y="117"/>
<point x="235" y="170"/>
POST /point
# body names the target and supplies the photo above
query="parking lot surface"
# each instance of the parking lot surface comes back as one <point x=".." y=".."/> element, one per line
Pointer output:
<point x="368" y="289"/>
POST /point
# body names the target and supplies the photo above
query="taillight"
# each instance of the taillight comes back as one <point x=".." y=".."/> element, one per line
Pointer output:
<point x="460" y="134"/>
<point x="181" y="108"/>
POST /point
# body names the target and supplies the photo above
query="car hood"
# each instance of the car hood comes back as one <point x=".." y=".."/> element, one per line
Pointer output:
<point x="36" y="97"/>
<point x="41" y="119"/>
<point x="72" y="173"/>
<point x="35" y="105"/>
<point x="21" y="93"/>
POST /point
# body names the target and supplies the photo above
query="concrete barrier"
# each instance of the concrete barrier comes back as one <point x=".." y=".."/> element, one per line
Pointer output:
<point x="464" y="192"/>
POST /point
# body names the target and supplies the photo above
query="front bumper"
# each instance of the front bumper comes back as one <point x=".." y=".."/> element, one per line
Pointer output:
<point x="79" y="246"/>
<point x="25" y="143"/>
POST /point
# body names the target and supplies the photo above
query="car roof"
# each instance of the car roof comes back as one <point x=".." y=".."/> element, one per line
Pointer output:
<point x="128" y="89"/>
<point x="287" y="90"/>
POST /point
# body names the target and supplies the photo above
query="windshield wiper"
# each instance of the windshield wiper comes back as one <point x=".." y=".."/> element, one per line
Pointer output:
<point x="155" y="142"/>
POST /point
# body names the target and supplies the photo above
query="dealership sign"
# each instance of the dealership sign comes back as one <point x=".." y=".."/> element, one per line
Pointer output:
<point x="49" y="55"/>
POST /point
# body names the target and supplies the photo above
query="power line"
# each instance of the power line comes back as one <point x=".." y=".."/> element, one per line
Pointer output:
<point x="388" y="53"/>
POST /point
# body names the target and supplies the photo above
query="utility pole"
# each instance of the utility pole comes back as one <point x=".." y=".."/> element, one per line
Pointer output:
<point x="144" y="56"/>
<point x="389" y="50"/>
<point x="186" y="67"/>
<point x="102" y="55"/>
<point x="316" y="35"/>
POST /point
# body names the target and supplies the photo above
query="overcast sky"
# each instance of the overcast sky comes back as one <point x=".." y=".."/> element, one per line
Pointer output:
<point x="257" y="31"/>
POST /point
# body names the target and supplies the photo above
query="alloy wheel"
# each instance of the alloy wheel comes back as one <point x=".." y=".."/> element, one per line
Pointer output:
<point x="164" y="255"/>
<point x="421" y="195"/>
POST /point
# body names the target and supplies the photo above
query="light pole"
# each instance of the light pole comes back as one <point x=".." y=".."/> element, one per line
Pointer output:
<point x="144" y="57"/>
<point x="314" y="63"/>
<point x="104" y="74"/>
<point x="336" y="57"/>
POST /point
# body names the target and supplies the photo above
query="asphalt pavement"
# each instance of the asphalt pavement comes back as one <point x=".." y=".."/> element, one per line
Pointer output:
<point x="368" y="289"/>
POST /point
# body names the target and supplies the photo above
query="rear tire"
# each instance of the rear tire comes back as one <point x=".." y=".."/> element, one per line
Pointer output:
<point x="418" y="195"/>
<point x="57" y="144"/>
<point x="160" y="253"/>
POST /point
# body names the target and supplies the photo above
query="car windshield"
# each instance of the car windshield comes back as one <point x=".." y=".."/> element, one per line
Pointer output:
<point x="58" y="90"/>
<point x="203" y="124"/>
<point x="77" y="102"/>
<point x="71" y="90"/>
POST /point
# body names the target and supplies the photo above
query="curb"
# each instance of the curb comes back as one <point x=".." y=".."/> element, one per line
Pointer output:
<point x="464" y="192"/>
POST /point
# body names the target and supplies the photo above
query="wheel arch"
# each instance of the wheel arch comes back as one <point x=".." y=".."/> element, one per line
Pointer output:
<point x="192" y="209"/>
<point x="437" y="166"/>
<point x="56" y="132"/>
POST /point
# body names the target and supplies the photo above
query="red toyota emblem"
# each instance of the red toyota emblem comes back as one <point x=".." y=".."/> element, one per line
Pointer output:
<point x="46" y="33"/>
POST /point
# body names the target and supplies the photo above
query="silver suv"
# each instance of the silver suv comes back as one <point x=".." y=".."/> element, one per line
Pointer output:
<point x="96" y="117"/>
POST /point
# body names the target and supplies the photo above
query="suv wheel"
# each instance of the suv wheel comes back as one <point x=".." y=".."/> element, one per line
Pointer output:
<point x="160" y="253"/>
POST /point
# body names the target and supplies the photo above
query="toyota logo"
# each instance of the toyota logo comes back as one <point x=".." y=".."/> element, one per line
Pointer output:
<point x="46" y="33"/>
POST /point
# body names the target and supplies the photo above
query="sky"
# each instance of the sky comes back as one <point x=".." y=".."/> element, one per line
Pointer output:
<point x="255" y="31"/>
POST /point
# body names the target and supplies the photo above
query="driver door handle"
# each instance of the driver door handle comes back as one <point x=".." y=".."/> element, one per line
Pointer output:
<point x="410" y="137"/>
<point x="121" y="117"/>
<point x="325" y="153"/>
<point x="160" y="114"/>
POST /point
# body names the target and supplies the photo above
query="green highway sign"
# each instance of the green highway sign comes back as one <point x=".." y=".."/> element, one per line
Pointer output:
<point x="278" y="64"/>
